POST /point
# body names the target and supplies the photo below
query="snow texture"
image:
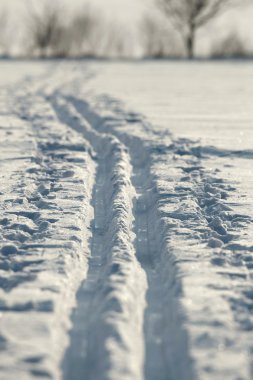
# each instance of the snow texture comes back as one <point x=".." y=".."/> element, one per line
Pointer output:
<point x="126" y="221"/>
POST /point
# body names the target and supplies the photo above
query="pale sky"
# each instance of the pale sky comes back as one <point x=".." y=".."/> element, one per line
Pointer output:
<point x="121" y="8"/>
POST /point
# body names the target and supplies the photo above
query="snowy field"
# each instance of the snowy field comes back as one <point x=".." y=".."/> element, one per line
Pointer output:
<point x="126" y="209"/>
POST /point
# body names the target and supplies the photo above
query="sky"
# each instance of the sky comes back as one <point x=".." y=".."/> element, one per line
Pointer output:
<point x="124" y="9"/>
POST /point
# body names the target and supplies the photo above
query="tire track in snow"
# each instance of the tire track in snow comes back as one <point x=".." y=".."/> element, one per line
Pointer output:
<point x="109" y="318"/>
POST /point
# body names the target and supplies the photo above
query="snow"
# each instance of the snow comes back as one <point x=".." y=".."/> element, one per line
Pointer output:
<point x="126" y="220"/>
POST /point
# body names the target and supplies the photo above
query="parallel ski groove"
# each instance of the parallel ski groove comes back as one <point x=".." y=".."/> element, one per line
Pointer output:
<point x="156" y="366"/>
<point x="46" y="234"/>
<point x="111" y="352"/>
<point x="77" y="355"/>
<point x="193" y="237"/>
<point x="160" y="326"/>
<point x="201" y="215"/>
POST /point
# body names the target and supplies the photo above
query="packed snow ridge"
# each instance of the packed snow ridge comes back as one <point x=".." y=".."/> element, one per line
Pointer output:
<point x="126" y="243"/>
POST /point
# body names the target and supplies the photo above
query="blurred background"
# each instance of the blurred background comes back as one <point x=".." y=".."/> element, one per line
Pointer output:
<point x="126" y="28"/>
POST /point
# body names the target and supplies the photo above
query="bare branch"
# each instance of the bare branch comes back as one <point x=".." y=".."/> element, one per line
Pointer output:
<point x="211" y="11"/>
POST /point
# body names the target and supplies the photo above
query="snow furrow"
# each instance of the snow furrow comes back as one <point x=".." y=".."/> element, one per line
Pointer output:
<point x="194" y="204"/>
<point x="108" y="321"/>
<point x="166" y="351"/>
<point x="183" y="200"/>
<point x="144" y="236"/>
<point x="45" y="214"/>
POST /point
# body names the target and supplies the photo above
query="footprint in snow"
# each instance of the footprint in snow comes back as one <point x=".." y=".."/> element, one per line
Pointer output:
<point x="9" y="249"/>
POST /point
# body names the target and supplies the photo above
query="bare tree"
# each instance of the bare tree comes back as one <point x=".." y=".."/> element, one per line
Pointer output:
<point x="83" y="32"/>
<point x="3" y="32"/>
<point x="117" y="41"/>
<point x="158" y="39"/>
<point x="45" y="27"/>
<point x="153" y="37"/>
<point x="231" y="46"/>
<point x="52" y="34"/>
<point x="190" y="15"/>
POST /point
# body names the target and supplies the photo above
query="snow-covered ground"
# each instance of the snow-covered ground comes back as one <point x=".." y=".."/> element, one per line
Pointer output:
<point x="126" y="209"/>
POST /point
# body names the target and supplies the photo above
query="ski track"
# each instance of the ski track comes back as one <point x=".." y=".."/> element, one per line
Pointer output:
<point x="203" y="217"/>
<point x="152" y="253"/>
<point x="152" y="249"/>
<point x="45" y="214"/>
<point x="116" y="343"/>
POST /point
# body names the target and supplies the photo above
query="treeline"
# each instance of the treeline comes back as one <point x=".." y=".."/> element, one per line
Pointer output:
<point x="168" y="30"/>
<point x="49" y="31"/>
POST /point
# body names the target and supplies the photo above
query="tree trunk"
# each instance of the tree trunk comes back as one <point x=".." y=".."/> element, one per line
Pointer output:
<point x="190" y="42"/>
